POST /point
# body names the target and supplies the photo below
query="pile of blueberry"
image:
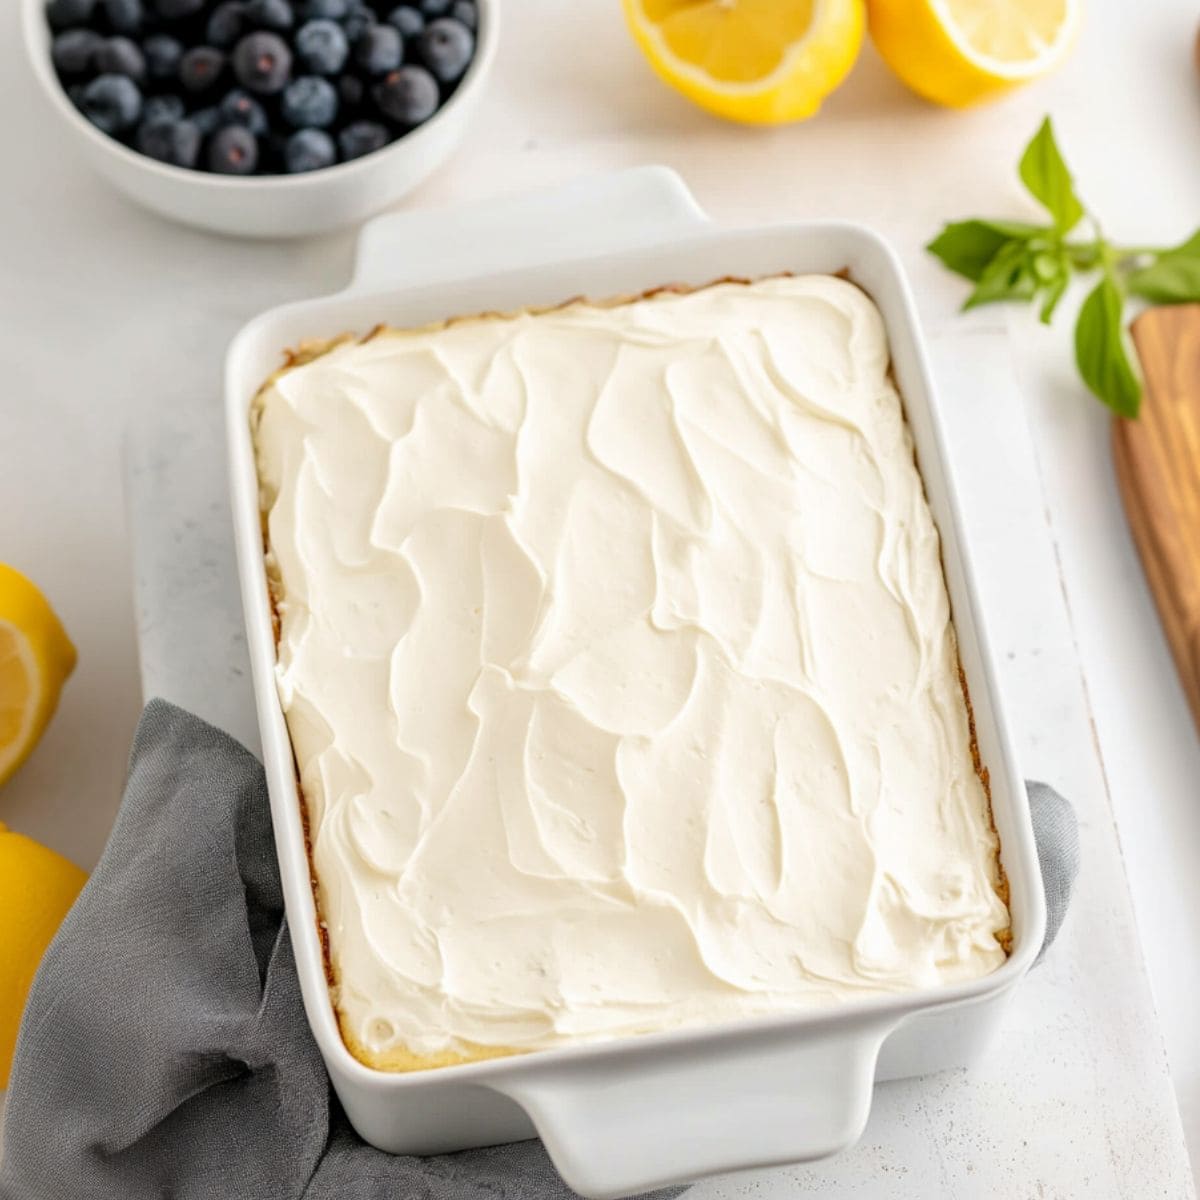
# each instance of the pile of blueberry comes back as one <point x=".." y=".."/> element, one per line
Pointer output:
<point x="260" y="87"/>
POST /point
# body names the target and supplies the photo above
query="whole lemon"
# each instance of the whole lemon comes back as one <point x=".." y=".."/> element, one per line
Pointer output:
<point x="37" y="887"/>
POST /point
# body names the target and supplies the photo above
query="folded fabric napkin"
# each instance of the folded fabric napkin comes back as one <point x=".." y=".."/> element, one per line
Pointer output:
<point x="164" y="1050"/>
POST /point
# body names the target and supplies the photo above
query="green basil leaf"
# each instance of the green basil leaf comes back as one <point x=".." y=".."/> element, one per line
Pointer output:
<point x="1051" y="295"/>
<point x="1188" y="249"/>
<point x="1016" y="229"/>
<point x="1009" y="276"/>
<point x="1173" y="277"/>
<point x="1100" y="350"/>
<point x="1168" y="281"/>
<point x="1046" y="176"/>
<point x="966" y="247"/>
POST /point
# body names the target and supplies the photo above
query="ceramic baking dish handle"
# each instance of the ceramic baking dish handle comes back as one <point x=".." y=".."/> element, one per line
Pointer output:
<point x="622" y="210"/>
<point x="613" y="1131"/>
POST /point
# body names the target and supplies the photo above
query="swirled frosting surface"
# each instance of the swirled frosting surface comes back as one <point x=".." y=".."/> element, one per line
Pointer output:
<point x="616" y="654"/>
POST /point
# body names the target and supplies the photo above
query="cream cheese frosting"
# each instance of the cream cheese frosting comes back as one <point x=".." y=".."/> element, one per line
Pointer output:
<point x="616" y="655"/>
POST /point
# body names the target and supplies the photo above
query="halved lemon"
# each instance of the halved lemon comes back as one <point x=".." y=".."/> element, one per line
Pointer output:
<point x="36" y="656"/>
<point x="759" y="61"/>
<point x="958" y="52"/>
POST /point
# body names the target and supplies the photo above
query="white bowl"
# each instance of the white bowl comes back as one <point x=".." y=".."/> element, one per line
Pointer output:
<point x="271" y="205"/>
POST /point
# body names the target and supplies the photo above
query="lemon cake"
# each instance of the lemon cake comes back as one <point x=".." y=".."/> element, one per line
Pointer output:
<point x="617" y="659"/>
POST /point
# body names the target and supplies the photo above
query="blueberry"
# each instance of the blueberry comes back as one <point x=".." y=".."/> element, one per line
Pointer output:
<point x="74" y="52"/>
<point x="309" y="150"/>
<point x="124" y="16"/>
<point x="112" y="103"/>
<point x="269" y="14"/>
<point x="309" y="102"/>
<point x="379" y="50"/>
<point x="362" y="137"/>
<point x="322" y="47"/>
<point x="407" y="20"/>
<point x="65" y="14"/>
<point x="162" y="108"/>
<point x="408" y="95"/>
<point x="445" y="47"/>
<point x="464" y="12"/>
<point x="207" y="120"/>
<point x="120" y="56"/>
<point x="262" y="63"/>
<point x="350" y="92"/>
<point x="173" y="10"/>
<point x="232" y="151"/>
<point x="357" y="21"/>
<point x="162" y="53"/>
<point x="330" y="10"/>
<point x="240" y="108"/>
<point x="171" y="141"/>
<point x="435" y="8"/>
<point x="225" y="24"/>
<point x="200" y="68"/>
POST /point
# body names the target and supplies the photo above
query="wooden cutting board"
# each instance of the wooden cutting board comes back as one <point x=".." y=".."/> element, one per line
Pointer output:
<point x="1158" y="471"/>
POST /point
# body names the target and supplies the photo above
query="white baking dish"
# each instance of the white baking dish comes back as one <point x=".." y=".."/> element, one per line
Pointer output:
<point x="641" y="1112"/>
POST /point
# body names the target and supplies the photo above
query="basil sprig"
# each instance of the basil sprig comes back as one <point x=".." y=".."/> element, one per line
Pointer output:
<point x="1018" y="260"/>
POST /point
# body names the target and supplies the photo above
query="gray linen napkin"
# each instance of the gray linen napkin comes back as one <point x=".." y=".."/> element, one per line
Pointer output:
<point x="164" y="1050"/>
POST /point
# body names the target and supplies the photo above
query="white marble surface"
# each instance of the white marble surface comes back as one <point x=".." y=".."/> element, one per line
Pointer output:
<point x="108" y="315"/>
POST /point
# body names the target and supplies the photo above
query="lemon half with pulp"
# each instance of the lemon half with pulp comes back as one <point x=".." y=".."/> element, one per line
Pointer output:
<point x="36" y="656"/>
<point x="759" y="61"/>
